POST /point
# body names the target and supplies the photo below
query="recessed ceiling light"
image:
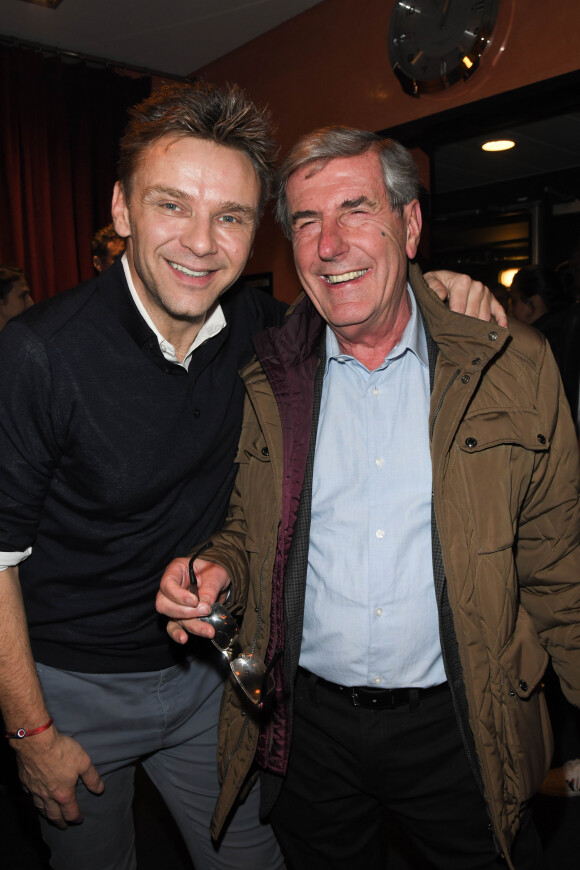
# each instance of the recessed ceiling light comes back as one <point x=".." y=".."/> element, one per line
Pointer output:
<point x="49" y="4"/>
<point x="498" y="145"/>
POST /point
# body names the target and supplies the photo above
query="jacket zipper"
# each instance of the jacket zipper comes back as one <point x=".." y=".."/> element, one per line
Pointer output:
<point x="460" y="724"/>
<point x="441" y="400"/>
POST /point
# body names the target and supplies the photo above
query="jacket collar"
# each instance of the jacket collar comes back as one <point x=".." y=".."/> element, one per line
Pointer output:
<point x="294" y="341"/>
<point x="466" y="342"/>
<point x="460" y="339"/>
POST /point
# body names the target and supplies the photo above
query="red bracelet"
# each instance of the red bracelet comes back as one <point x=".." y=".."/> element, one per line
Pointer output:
<point x="22" y="732"/>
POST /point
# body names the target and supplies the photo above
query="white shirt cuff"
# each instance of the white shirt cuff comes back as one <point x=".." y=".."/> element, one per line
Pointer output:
<point x="9" y="560"/>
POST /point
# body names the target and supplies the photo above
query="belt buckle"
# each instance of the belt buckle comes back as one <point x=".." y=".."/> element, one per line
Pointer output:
<point x="384" y="698"/>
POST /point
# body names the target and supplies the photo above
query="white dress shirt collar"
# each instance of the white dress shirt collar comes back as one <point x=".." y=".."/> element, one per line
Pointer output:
<point x="212" y="325"/>
<point x="413" y="339"/>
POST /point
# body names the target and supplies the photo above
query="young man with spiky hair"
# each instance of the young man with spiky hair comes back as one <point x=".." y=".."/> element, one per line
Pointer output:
<point x="120" y="416"/>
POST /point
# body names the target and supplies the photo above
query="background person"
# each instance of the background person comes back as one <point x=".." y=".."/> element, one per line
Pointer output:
<point x="106" y="248"/>
<point x="544" y="299"/>
<point x="14" y="293"/>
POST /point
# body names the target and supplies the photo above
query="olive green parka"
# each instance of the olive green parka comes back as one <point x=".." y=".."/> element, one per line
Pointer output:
<point x="506" y="483"/>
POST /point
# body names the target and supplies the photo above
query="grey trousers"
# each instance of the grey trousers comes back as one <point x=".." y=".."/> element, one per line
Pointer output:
<point x="167" y="720"/>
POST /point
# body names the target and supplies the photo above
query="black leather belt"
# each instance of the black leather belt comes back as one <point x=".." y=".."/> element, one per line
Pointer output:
<point x="377" y="699"/>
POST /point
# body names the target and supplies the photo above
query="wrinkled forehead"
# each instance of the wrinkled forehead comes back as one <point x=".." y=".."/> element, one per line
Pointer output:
<point x="168" y="152"/>
<point x="337" y="179"/>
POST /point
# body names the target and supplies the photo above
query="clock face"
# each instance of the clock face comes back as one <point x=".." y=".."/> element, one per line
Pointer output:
<point x="435" y="43"/>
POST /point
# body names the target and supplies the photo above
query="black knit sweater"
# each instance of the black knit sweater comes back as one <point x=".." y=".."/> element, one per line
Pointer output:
<point x="112" y="462"/>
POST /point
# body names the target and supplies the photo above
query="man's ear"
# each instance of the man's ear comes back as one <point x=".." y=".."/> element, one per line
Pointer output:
<point x="414" y="222"/>
<point x="120" y="211"/>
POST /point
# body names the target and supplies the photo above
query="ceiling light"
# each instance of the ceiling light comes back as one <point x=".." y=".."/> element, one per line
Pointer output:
<point x="498" y="145"/>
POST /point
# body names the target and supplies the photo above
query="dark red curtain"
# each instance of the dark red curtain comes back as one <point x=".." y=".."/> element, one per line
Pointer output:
<point x="60" y="123"/>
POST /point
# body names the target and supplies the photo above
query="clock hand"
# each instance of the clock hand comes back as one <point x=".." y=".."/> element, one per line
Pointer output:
<point x="444" y="14"/>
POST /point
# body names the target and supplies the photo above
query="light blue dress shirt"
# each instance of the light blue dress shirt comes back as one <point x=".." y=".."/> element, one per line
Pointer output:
<point x="370" y="612"/>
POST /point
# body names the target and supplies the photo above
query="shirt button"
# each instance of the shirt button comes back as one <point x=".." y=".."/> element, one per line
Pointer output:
<point x="379" y="611"/>
<point x="471" y="442"/>
<point x="492" y="336"/>
<point x="380" y="534"/>
<point x="379" y="462"/>
<point x="376" y="391"/>
<point x="465" y="379"/>
<point x="196" y="412"/>
<point x="377" y="681"/>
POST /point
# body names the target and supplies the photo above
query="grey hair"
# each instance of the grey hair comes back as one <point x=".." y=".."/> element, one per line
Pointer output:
<point x="318" y="148"/>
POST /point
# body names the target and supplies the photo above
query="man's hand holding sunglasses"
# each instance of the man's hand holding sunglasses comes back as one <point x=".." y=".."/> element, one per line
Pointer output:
<point x="191" y="593"/>
<point x="184" y="607"/>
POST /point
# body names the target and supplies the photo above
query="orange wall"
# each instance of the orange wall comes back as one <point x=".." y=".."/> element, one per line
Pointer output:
<point x="331" y="65"/>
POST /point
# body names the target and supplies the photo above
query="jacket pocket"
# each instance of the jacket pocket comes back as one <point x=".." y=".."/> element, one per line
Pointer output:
<point x="496" y="452"/>
<point x="484" y="429"/>
<point x="524" y="738"/>
<point x="254" y="449"/>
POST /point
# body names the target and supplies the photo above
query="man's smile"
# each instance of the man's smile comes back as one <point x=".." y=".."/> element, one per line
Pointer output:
<point x="346" y="276"/>
<point x="190" y="272"/>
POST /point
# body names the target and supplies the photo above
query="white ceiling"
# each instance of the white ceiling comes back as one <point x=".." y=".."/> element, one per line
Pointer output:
<point x="176" y="37"/>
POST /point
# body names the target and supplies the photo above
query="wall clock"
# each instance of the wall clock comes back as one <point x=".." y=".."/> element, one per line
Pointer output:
<point x="433" y="44"/>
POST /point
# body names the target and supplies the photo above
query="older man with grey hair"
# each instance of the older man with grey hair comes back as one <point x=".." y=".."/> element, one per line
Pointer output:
<point x="403" y="537"/>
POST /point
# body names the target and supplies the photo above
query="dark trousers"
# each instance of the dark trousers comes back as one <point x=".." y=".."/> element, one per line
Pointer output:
<point x="349" y="766"/>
